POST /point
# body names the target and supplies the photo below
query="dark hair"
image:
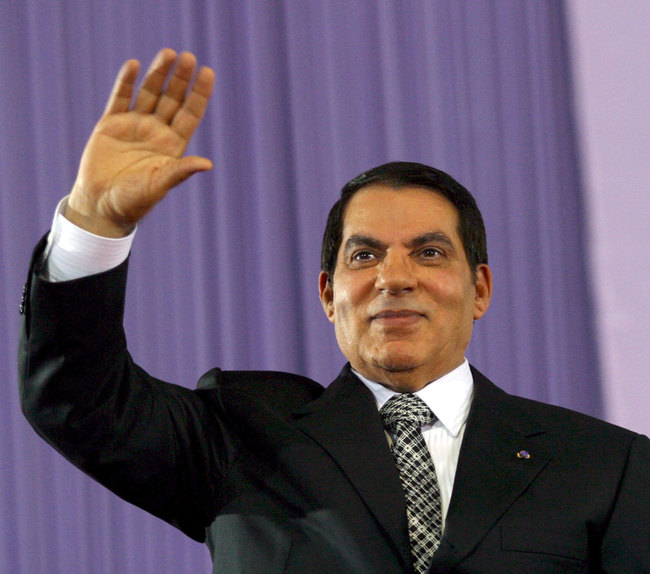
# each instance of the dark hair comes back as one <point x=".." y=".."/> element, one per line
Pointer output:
<point x="399" y="174"/>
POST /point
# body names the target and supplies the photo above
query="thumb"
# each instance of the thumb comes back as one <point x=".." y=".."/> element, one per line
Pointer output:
<point x="182" y="169"/>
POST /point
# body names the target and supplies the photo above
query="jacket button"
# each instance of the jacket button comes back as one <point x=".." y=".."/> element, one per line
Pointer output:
<point x="23" y="300"/>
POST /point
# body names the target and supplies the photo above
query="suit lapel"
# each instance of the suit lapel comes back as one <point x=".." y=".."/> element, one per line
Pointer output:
<point x="344" y="422"/>
<point x="490" y="475"/>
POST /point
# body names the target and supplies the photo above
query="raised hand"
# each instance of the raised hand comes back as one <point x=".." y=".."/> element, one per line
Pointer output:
<point x="135" y="154"/>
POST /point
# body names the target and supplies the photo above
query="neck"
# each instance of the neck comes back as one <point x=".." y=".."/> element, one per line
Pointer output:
<point x="407" y="381"/>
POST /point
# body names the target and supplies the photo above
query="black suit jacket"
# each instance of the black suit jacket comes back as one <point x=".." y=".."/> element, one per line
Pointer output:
<point x="278" y="474"/>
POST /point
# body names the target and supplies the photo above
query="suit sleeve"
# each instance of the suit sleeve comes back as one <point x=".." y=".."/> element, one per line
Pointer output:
<point x="152" y="443"/>
<point x="626" y="543"/>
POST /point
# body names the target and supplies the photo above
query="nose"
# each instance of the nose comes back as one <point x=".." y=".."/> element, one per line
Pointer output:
<point x="395" y="274"/>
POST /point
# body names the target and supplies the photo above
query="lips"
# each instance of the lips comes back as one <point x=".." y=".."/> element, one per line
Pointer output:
<point x="397" y="317"/>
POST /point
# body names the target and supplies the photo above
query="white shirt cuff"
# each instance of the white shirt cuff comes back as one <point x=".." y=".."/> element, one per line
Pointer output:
<point x="72" y="252"/>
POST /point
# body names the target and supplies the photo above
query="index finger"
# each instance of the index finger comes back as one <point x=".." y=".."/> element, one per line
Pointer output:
<point x="120" y="98"/>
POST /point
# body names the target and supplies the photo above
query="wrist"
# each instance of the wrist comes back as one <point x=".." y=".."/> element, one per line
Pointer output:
<point x="78" y="212"/>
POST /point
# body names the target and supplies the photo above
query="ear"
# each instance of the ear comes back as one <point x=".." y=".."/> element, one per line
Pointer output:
<point x="482" y="290"/>
<point x="326" y="294"/>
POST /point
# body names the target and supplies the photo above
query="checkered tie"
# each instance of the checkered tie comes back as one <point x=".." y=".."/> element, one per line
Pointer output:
<point x="404" y="415"/>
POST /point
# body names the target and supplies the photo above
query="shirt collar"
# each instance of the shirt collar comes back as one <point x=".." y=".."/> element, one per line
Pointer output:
<point x="449" y="397"/>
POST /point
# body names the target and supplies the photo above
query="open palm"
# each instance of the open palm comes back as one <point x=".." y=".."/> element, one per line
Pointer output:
<point x="135" y="153"/>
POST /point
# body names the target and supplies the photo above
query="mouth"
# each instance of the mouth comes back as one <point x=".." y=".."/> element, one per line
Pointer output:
<point x="397" y="318"/>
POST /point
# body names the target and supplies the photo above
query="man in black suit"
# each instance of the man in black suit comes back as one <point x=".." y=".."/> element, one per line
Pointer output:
<point x="277" y="473"/>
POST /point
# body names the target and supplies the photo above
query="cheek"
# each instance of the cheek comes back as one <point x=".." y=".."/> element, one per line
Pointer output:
<point x="343" y="316"/>
<point x="452" y="299"/>
<point x="346" y="298"/>
<point x="446" y="292"/>
<point x="349" y="314"/>
<point x="346" y="331"/>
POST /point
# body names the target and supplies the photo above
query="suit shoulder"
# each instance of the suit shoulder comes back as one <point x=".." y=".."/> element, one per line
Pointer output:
<point x="279" y="391"/>
<point x="532" y="413"/>
<point x="566" y="418"/>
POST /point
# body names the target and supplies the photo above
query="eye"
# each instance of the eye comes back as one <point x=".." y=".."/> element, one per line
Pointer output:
<point x="431" y="253"/>
<point x="363" y="256"/>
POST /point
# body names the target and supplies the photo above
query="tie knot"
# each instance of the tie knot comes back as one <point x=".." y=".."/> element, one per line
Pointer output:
<point x="406" y="408"/>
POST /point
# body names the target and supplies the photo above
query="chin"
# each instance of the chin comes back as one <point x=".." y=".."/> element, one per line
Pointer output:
<point x="397" y="362"/>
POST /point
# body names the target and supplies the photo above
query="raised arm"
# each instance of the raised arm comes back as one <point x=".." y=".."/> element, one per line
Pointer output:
<point x="135" y="153"/>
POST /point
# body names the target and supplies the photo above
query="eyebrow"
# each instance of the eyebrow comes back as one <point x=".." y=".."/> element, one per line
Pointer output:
<point x="363" y="241"/>
<point x="431" y="237"/>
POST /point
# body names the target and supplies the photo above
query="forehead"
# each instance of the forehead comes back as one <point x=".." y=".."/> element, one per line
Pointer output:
<point x="405" y="210"/>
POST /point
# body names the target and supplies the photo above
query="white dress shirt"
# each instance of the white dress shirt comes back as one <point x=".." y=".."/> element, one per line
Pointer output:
<point x="449" y="397"/>
<point x="72" y="252"/>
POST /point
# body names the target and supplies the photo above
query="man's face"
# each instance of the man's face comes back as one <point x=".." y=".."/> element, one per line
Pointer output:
<point x="402" y="298"/>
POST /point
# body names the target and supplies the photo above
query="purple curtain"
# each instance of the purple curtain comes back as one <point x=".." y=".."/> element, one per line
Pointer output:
<point x="308" y="94"/>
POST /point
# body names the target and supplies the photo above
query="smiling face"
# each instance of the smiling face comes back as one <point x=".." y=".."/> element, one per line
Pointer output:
<point x="402" y="298"/>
